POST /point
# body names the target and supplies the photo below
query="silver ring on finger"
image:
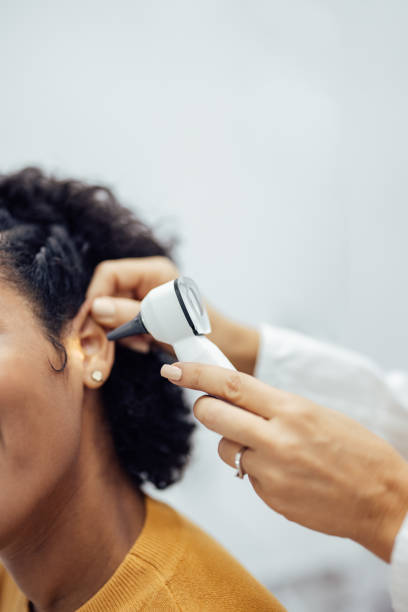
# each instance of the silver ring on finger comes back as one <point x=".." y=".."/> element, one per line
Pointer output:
<point x="240" y="473"/>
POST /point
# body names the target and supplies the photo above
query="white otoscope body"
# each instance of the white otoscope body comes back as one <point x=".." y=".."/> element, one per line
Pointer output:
<point x="174" y="313"/>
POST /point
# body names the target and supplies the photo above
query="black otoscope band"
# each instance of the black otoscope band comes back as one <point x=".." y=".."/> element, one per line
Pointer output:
<point x="183" y="308"/>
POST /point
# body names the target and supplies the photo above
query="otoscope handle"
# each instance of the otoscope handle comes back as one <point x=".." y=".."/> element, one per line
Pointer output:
<point x="200" y="349"/>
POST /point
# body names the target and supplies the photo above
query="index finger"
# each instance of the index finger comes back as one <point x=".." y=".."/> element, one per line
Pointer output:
<point x="135" y="274"/>
<point x="237" y="388"/>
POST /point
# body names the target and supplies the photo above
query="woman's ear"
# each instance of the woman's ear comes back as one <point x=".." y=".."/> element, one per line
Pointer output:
<point x="98" y="352"/>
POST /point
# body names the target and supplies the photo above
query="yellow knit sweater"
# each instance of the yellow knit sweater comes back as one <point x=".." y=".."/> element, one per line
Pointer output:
<point x="173" y="565"/>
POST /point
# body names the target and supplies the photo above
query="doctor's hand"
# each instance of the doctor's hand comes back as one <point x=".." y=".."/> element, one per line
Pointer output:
<point x="118" y="286"/>
<point x="315" y="466"/>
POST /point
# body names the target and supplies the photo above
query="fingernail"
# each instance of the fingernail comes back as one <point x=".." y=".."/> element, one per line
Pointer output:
<point x="103" y="307"/>
<point x="171" y="372"/>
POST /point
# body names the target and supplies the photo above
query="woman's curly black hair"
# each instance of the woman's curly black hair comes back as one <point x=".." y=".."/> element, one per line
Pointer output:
<point x="53" y="233"/>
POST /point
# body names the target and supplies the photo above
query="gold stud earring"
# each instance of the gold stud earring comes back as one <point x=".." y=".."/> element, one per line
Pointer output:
<point x="97" y="376"/>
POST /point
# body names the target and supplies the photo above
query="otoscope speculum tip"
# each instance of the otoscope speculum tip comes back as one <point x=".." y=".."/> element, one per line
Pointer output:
<point x="135" y="327"/>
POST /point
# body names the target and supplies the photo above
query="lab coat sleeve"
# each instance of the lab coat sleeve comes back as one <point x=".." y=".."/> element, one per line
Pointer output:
<point x="399" y="570"/>
<point x="354" y="385"/>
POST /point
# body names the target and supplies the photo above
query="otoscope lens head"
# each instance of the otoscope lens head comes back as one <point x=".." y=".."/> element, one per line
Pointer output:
<point x="192" y="304"/>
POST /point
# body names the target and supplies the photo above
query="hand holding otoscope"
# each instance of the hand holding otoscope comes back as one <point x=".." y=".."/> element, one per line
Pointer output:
<point x="174" y="313"/>
<point x="124" y="283"/>
<point x="314" y="465"/>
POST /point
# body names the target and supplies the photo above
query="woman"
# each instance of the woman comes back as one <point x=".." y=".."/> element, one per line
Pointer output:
<point x="83" y="424"/>
<point x="306" y="458"/>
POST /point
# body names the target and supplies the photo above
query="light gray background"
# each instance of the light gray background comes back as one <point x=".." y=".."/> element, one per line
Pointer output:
<point x="271" y="136"/>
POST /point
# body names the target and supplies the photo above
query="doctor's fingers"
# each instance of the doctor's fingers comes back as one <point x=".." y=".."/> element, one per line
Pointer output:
<point x="137" y="275"/>
<point x="236" y="424"/>
<point x="234" y="387"/>
<point x="114" y="311"/>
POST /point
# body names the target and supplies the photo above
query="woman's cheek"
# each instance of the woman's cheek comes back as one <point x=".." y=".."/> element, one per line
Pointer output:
<point x="38" y="427"/>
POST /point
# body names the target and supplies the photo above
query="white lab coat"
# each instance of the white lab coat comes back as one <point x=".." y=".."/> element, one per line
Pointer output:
<point x="352" y="384"/>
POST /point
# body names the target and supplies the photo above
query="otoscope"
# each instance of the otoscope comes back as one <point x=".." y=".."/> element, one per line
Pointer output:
<point x="174" y="313"/>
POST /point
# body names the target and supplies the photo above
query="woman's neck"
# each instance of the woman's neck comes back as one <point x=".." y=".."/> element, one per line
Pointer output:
<point x="75" y="540"/>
